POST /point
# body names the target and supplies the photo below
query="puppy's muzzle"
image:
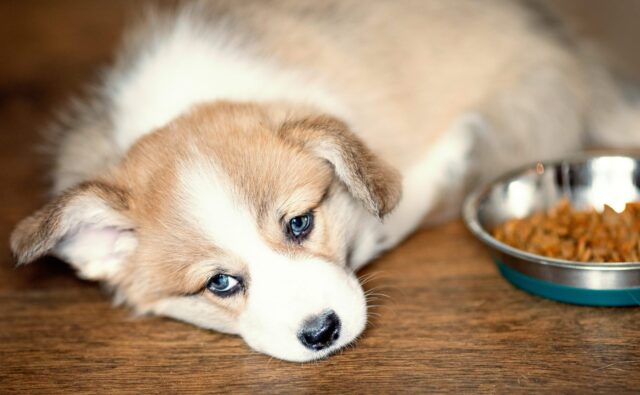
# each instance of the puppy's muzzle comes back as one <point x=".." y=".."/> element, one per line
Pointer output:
<point x="320" y="332"/>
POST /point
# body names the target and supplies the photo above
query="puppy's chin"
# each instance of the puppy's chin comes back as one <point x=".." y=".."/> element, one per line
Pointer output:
<point x="295" y="352"/>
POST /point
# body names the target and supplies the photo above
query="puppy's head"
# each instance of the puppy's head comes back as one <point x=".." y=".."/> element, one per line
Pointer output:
<point x="234" y="217"/>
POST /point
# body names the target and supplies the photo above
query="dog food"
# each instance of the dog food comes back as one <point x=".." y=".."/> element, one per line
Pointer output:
<point x="586" y="236"/>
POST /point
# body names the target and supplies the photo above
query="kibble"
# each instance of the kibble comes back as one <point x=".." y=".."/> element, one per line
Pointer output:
<point x="586" y="236"/>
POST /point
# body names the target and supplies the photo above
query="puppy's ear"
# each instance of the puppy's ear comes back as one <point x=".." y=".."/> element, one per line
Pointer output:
<point x="86" y="226"/>
<point x="367" y="177"/>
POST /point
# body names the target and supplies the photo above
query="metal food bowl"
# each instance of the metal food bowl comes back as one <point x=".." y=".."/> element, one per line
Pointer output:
<point x="587" y="180"/>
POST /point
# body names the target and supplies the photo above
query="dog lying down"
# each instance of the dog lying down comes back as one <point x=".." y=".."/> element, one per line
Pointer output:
<point x="241" y="160"/>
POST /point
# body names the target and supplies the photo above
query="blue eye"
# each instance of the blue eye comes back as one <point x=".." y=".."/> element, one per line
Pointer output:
<point x="223" y="285"/>
<point x="300" y="226"/>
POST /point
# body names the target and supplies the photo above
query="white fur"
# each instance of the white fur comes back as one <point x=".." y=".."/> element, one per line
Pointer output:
<point x="187" y="65"/>
<point x="97" y="240"/>
<point x="440" y="175"/>
<point x="196" y="310"/>
<point x="284" y="290"/>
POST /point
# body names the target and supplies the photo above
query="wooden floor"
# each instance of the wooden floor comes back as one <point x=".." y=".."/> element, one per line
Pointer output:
<point x="447" y="322"/>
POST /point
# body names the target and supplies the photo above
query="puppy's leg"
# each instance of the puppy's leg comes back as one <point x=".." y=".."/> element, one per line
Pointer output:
<point x="537" y="114"/>
<point x="614" y="113"/>
<point x="442" y="175"/>
<point x="530" y="116"/>
<point x="547" y="112"/>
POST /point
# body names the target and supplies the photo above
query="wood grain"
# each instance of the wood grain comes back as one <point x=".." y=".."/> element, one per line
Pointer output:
<point x="443" y="319"/>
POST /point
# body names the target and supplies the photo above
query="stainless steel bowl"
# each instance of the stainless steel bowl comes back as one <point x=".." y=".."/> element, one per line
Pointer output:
<point x="587" y="180"/>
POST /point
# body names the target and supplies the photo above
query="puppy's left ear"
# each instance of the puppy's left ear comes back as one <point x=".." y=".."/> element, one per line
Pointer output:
<point x="374" y="183"/>
<point x="87" y="226"/>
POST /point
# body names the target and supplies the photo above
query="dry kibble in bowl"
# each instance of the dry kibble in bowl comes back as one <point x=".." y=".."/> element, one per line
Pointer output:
<point x="585" y="236"/>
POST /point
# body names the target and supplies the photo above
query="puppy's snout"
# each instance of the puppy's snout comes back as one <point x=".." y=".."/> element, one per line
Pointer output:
<point x="320" y="331"/>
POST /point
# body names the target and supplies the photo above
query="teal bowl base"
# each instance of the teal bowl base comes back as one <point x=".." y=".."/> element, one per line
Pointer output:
<point x="573" y="295"/>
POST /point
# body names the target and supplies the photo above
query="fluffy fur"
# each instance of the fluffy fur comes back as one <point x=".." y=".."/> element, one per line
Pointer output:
<point x="222" y="120"/>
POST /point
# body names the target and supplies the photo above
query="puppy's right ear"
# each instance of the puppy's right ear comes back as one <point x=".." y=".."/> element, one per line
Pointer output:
<point x="86" y="226"/>
<point x="367" y="177"/>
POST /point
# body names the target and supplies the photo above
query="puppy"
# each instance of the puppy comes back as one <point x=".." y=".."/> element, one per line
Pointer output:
<point x="241" y="160"/>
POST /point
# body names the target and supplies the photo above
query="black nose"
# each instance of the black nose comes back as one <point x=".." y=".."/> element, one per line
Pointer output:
<point x="320" y="331"/>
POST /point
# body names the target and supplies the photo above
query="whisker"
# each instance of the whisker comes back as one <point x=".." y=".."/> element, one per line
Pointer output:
<point x="378" y="294"/>
<point x="365" y="278"/>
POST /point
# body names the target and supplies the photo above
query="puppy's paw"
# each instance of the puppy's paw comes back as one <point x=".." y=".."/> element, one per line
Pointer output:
<point x="457" y="147"/>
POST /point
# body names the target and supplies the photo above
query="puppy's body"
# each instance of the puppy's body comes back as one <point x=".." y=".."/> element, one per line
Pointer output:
<point x="448" y="93"/>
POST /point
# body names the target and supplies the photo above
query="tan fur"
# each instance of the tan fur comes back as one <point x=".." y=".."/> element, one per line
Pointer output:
<point x="37" y="234"/>
<point x="366" y="176"/>
<point x="272" y="165"/>
<point x="402" y="67"/>
<point x="268" y="164"/>
<point x="404" y="82"/>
